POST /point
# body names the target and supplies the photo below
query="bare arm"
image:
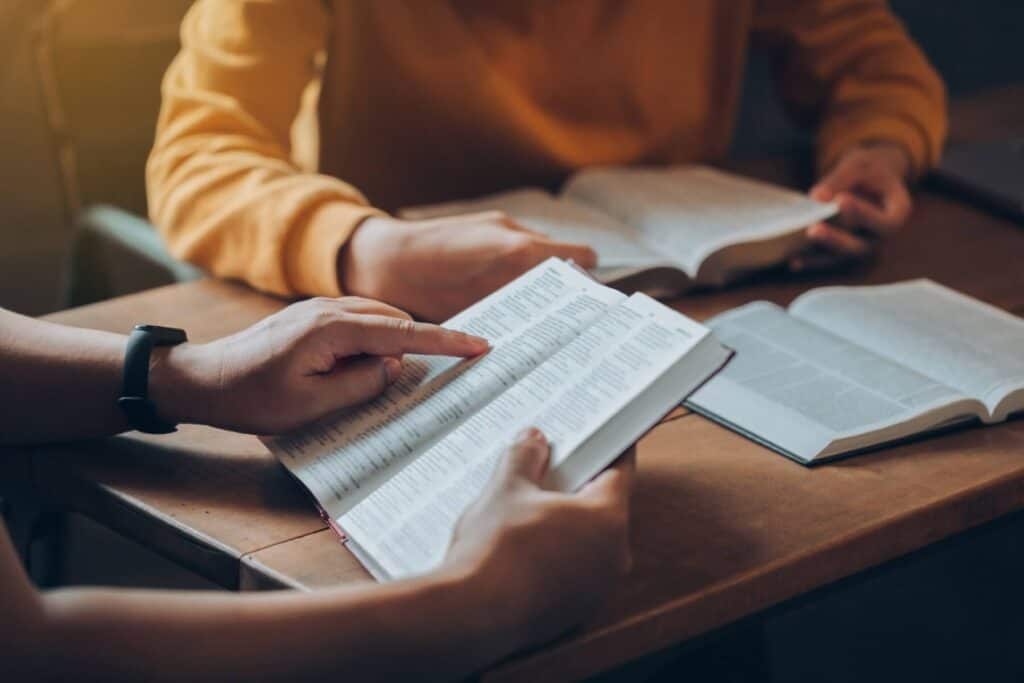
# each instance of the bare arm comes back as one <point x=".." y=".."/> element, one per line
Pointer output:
<point x="59" y="382"/>
<point x="62" y="383"/>
<point x="437" y="624"/>
<point x="526" y="565"/>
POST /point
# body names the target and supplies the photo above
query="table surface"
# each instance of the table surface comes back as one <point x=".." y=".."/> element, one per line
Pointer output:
<point x="723" y="528"/>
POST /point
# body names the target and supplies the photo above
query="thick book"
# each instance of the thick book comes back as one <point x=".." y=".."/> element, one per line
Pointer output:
<point x="592" y="368"/>
<point x="661" y="230"/>
<point x="849" y="369"/>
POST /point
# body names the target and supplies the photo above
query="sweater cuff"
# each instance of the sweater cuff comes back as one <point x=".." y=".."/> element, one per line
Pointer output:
<point x="839" y="137"/>
<point x="312" y="257"/>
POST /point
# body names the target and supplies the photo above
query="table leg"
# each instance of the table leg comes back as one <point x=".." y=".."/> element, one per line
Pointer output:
<point x="34" y="527"/>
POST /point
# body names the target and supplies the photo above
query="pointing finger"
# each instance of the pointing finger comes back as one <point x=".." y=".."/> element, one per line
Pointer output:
<point x="386" y="336"/>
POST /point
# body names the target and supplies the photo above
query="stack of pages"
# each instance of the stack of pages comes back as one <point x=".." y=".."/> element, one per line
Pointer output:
<point x="662" y="230"/>
<point x="847" y="369"/>
<point x="592" y="368"/>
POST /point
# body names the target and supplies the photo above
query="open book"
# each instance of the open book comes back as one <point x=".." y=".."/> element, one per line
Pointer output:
<point x="592" y="368"/>
<point x="661" y="230"/>
<point x="847" y="369"/>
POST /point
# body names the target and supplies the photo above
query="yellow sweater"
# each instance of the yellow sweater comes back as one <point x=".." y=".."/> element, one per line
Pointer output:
<point x="425" y="100"/>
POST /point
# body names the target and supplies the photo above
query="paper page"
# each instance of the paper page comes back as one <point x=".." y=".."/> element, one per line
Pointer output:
<point x="689" y="212"/>
<point x="938" y="332"/>
<point x="617" y="245"/>
<point x="798" y="386"/>
<point x="407" y="523"/>
<point x="343" y="458"/>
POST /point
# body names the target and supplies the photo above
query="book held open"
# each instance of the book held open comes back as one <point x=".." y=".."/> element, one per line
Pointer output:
<point x="592" y="368"/>
<point x="847" y="369"/>
<point x="661" y="230"/>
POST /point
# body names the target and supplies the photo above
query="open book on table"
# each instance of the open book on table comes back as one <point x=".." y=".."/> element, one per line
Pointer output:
<point x="847" y="369"/>
<point x="662" y="230"/>
<point x="592" y="368"/>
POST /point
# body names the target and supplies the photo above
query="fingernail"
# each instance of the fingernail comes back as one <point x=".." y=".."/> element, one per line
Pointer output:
<point x="480" y="342"/>
<point x="392" y="368"/>
<point x="529" y="434"/>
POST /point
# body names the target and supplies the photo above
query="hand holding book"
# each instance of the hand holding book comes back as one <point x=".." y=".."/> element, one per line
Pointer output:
<point x="591" y="367"/>
<point x="869" y="186"/>
<point x="546" y="557"/>
<point x="310" y="359"/>
<point x="435" y="268"/>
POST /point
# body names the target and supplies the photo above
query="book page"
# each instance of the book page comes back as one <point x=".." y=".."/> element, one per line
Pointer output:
<point x="688" y="212"/>
<point x="344" y="457"/>
<point x="798" y="386"/>
<point x="617" y="245"/>
<point x="406" y="524"/>
<point x="934" y="330"/>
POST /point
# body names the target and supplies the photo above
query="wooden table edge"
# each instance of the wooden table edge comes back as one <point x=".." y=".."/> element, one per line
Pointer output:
<point x="185" y="546"/>
<point x="768" y="586"/>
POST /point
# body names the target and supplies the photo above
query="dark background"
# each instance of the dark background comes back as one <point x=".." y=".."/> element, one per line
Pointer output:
<point x="975" y="45"/>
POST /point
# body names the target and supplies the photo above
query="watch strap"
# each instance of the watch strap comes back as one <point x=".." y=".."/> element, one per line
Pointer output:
<point x="134" y="400"/>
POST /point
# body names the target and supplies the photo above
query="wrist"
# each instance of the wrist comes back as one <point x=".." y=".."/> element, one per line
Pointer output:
<point x="177" y="386"/>
<point x="496" y="603"/>
<point x="490" y="608"/>
<point x="360" y="267"/>
<point x="893" y="154"/>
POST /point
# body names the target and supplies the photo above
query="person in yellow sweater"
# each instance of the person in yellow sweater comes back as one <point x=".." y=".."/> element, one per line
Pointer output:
<point x="438" y="99"/>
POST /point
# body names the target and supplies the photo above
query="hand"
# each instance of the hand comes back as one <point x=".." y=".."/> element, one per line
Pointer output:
<point x="435" y="268"/>
<point x="308" y="360"/>
<point x="869" y="184"/>
<point x="545" y="560"/>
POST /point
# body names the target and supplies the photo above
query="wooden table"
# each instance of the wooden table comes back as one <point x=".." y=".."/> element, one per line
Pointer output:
<point x="723" y="528"/>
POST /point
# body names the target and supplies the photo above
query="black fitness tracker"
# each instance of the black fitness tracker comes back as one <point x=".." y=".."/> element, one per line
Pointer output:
<point x="134" y="401"/>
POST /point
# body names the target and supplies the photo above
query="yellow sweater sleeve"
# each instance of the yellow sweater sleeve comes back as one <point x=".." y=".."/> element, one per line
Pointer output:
<point x="222" y="186"/>
<point x="850" y="67"/>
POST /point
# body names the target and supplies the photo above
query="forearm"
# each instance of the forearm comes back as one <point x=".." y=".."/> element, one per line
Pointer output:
<point x="62" y="383"/>
<point x="58" y="382"/>
<point x="432" y="628"/>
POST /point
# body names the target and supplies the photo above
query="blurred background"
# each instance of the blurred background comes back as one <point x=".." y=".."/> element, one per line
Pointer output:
<point x="80" y="91"/>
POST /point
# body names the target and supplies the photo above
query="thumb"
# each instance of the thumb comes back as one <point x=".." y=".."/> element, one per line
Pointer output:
<point x="357" y="381"/>
<point x="842" y="177"/>
<point x="527" y="458"/>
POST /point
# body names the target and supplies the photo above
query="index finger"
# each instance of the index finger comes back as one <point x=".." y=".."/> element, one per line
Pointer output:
<point x="381" y="335"/>
<point x="613" y="486"/>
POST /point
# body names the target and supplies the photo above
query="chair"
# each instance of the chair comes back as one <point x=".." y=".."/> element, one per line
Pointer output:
<point x="100" y="63"/>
